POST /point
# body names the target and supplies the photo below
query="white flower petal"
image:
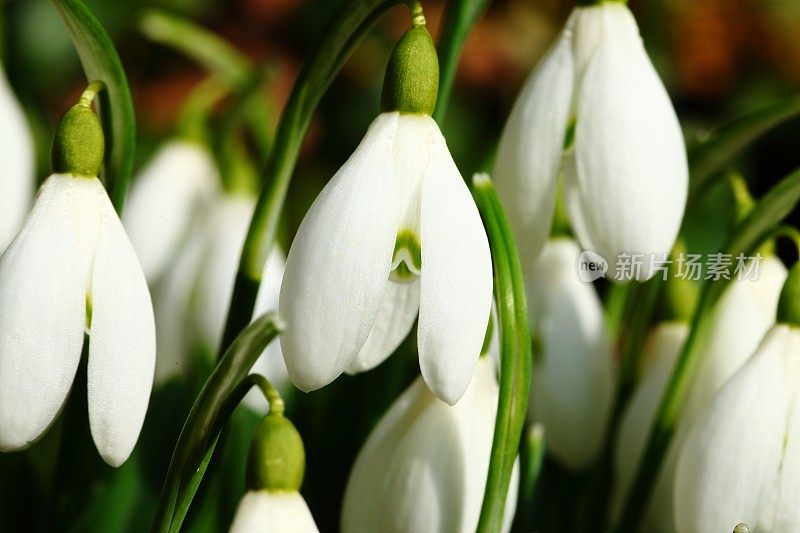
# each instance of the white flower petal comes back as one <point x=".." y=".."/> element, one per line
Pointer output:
<point x="424" y="466"/>
<point x="122" y="343"/>
<point x="42" y="288"/>
<point x="16" y="153"/>
<point x="573" y="382"/>
<point x="744" y="314"/>
<point x="212" y="293"/>
<point x="661" y="351"/>
<point x="273" y="512"/>
<point x="338" y="265"/>
<point x="729" y="463"/>
<point x="529" y="153"/>
<point x="786" y="517"/>
<point x="167" y="196"/>
<point x="271" y="363"/>
<point x="395" y="320"/>
<point x="632" y="173"/>
<point x="456" y="280"/>
<point x="172" y="297"/>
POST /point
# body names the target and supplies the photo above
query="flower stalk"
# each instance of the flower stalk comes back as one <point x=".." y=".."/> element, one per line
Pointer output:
<point x="221" y="394"/>
<point x="515" y="358"/>
<point x="327" y="58"/>
<point x="460" y="17"/>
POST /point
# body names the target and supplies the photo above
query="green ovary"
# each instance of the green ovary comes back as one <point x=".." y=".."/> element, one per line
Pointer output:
<point x="407" y="257"/>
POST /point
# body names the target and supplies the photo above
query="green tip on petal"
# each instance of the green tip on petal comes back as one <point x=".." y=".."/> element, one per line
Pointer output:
<point x="78" y="145"/>
<point x="411" y="84"/>
<point x="789" y="302"/>
<point x="276" y="460"/>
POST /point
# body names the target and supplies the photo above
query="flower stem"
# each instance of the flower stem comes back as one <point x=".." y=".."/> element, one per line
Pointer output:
<point x="460" y="18"/>
<point x="91" y="91"/>
<point x="417" y="15"/>
<point x="276" y="405"/>
<point x="326" y="59"/>
<point x="752" y="232"/>
<point x="216" y="55"/>
<point x="100" y="61"/>
<point x="222" y="392"/>
<point x="515" y="358"/>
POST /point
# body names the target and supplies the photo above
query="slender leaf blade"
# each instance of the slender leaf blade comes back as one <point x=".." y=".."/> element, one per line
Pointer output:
<point x="710" y="155"/>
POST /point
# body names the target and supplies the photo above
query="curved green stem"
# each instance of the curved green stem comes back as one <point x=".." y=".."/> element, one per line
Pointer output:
<point x="460" y="17"/>
<point x="226" y="63"/>
<point x="276" y="405"/>
<point x="754" y="230"/>
<point x="194" y="41"/>
<point x="90" y="92"/>
<point x="101" y="62"/>
<point x="325" y="61"/>
<point x="713" y="151"/>
<point x="515" y="358"/>
<point x="220" y="395"/>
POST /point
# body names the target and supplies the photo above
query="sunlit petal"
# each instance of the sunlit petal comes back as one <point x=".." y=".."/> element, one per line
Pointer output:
<point x="122" y="344"/>
<point x="338" y="265"/>
<point x="456" y="281"/>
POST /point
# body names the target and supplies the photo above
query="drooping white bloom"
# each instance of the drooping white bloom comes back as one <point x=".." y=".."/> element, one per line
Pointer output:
<point x="265" y="511"/>
<point x="661" y="351"/>
<point x="572" y="384"/>
<point x="398" y="211"/>
<point x="193" y="298"/>
<point x="424" y="466"/>
<point x="741" y="459"/>
<point x="16" y="153"/>
<point x="744" y="314"/>
<point x="72" y="268"/>
<point x="214" y="287"/>
<point x="175" y="188"/>
<point x="597" y="96"/>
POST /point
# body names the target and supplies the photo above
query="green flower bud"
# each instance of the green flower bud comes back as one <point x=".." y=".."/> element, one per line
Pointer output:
<point x="412" y="76"/>
<point x="276" y="460"/>
<point x="789" y="301"/>
<point x="78" y="145"/>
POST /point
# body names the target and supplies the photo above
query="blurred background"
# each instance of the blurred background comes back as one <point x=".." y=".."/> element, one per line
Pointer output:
<point x="718" y="58"/>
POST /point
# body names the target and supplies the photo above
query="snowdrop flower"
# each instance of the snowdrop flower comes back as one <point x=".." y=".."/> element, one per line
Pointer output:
<point x="16" y="153"/>
<point x="661" y="351"/>
<point x="744" y="314"/>
<point x="595" y="110"/>
<point x="395" y="232"/>
<point x="275" y="468"/>
<point x="72" y="268"/>
<point x="424" y="466"/>
<point x="175" y="188"/>
<point x="573" y="380"/>
<point x="192" y="301"/>
<point x="215" y="285"/>
<point x="741" y="460"/>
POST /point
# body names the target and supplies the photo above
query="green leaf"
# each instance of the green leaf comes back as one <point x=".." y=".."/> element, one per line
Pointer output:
<point x="756" y="228"/>
<point x="515" y="355"/>
<point x="531" y="466"/>
<point x="221" y="394"/>
<point x="709" y="155"/>
<point x="460" y="17"/>
<point x="101" y="62"/>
